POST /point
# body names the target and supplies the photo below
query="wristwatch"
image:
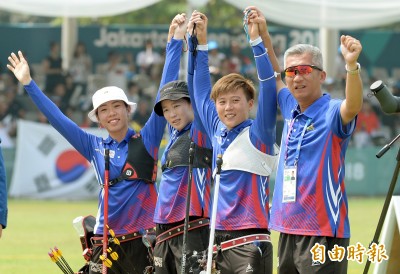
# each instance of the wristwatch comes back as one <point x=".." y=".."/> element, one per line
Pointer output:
<point x="353" y="72"/>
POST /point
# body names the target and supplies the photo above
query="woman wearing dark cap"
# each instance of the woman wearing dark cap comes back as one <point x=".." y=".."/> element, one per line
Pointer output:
<point x="184" y="127"/>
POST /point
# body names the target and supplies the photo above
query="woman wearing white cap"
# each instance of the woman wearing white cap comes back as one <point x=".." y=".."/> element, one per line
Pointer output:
<point x="132" y="192"/>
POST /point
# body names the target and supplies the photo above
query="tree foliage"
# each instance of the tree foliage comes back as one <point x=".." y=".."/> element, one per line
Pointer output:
<point x="219" y="13"/>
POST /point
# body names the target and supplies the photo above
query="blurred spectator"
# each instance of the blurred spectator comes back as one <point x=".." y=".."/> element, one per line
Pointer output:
<point x="134" y="92"/>
<point x="240" y="63"/>
<point x="81" y="66"/>
<point x="74" y="115"/>
<point x="41" y="118"/>
<point x="367" y="119"/>
<point x="8" y="84"/>
<point x="52" y="67"/>
<point x="141" y="114"/>
<point x="147" y="58"/>
<point x="361" y="138"/>
<point x="6" y="124"/>
<point x="118" y="72"/>
<point x="225" y="68"/>
<point x="13" y="106"/>
<point x="155" y="78"/>
<point x="129" y="60"/>
<point x="236" y="57"/>
<point x="331" y="86"/>
<point x="215" y="60"/>
<point x="396" y="89"/>
<point x="60" y="95"/>
<point x="86" y="122"/>
<point x="249" y="70"/>
<point x="74" y="94"/>
<point x="279" y="56"/>
<point x="11" y="109"/>
<point x="340" y="73"/>
<point x="368" y="128"/>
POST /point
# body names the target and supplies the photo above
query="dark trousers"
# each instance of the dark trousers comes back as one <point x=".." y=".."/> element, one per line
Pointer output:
<point x="295" y="256"/>
<point x="168" y="254"/>
<point x="256" y="257"/>
<point x="133" y="258"/>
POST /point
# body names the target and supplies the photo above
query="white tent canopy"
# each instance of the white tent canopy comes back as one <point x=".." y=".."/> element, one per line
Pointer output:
<point x="74" y="8"/>
<point x="334" y="14"/>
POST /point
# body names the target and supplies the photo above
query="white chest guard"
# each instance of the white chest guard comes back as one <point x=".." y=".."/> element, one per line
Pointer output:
<point x="243" y="155"/>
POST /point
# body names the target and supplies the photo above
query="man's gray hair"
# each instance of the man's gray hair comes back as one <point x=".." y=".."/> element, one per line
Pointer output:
<point x="301" y="49"/>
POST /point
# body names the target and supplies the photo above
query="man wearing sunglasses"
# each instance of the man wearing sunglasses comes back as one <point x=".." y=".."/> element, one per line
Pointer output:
<point x="311" y="211"/>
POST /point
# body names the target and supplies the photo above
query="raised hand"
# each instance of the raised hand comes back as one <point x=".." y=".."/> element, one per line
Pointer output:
<point x="351" y="49"/>
<point x="256" y="16"/>
<point x="180" y="29"/>
<point x="252" y="25"/>
<point x="201" y="21"/>
<point x="19" y="66"/>
<point x="176" y="23"/>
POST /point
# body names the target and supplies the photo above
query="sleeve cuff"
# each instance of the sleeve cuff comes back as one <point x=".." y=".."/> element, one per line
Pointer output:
<point x="202" y="47"/>
<point x="30" y="84"/>
<point x="256" y="41"/>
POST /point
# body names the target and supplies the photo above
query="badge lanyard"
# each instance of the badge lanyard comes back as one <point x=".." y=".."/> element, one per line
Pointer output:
<point x="289" y="187"/>
<point x="297" y="155"/>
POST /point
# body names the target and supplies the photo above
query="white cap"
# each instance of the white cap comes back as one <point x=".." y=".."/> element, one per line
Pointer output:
<point x="105" y="95"/>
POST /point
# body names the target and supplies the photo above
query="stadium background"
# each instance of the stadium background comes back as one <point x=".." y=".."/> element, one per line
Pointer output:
<point x="365" y="174"/>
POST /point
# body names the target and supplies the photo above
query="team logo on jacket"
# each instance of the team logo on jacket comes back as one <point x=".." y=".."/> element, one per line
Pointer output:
<point x="130" y="172"/>
<point x="310" y="127"/>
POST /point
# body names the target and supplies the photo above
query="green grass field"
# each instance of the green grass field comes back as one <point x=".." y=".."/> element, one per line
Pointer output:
<point x="36" y="226"/>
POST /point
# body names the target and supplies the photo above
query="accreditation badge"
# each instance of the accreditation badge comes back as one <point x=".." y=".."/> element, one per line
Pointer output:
<point x="289" y="184"/>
